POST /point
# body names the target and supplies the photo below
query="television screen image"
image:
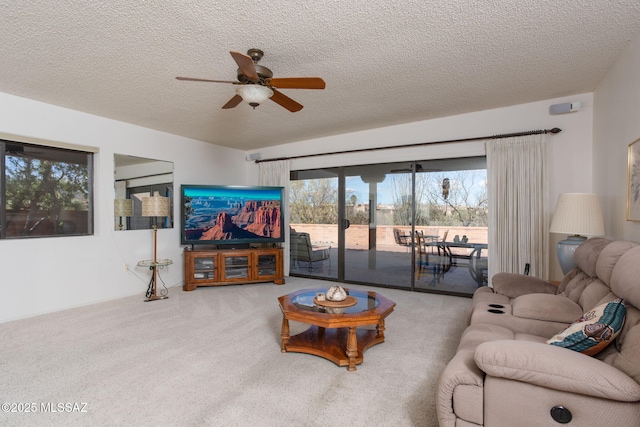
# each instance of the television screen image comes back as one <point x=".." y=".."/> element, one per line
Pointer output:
<point x="231" y="215"/>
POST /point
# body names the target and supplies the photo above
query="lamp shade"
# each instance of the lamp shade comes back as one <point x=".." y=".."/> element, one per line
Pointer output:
<point x="156" y="206"/>
<point x="253" y="94"/>
<point x="578" y="214"/>
<point x="123" y="207"/>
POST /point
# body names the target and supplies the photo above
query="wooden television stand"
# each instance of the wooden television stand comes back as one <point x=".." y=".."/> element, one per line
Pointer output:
<point x="217" y="267"/>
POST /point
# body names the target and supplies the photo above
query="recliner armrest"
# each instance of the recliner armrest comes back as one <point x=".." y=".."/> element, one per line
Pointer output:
<point x="555" y="368"/>
<point x="513" y="285"/>
<point x="460" y="390"/>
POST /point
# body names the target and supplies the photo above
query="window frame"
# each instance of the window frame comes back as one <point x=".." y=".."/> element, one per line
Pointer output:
<point x="90" y="157"/>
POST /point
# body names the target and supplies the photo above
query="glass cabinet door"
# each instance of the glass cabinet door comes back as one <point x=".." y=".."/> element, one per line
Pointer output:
<point x="236" y="267"/>
<point x="204" y="268"/>
<point x="266" y="265"/>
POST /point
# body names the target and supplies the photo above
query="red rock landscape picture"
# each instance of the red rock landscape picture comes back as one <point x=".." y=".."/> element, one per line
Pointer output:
<point x="255" y="219"/>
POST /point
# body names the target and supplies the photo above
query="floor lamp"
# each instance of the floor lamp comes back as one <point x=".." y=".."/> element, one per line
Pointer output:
<point x="156" y="206"/>
<point x="577" y="214"/>
<point x="122" y="208"/>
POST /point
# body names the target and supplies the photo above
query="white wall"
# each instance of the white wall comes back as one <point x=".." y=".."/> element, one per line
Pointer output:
<point x="49" y="274"/>
<point x="616" y="125"/>
<point x="571" y="150"/>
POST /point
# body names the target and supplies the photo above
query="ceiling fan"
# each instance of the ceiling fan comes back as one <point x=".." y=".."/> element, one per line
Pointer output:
<point x="256" y="83"/>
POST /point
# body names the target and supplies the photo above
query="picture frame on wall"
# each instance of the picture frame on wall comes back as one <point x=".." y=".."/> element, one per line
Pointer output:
<point x="633" y="182"/>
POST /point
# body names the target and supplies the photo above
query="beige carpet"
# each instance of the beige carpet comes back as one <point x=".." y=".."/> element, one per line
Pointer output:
<point x="212" y="357"/>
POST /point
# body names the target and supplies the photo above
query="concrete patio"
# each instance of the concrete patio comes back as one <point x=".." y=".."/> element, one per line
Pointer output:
<point x="389" y="268"/>
<point x="390" y="263"/>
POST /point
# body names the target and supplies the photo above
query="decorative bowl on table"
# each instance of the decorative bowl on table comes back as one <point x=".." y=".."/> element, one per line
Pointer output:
<point x="336" y="293"/>
<point x="335" y="297"/>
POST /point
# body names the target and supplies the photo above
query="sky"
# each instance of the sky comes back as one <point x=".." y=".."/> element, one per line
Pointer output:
<point x="355" y="185"/>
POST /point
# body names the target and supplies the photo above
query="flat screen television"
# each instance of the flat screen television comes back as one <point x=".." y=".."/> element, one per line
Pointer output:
<point x="231" y="216"/>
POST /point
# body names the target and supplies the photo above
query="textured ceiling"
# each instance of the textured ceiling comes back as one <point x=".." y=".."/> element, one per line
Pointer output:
<point x="384" y="62"/>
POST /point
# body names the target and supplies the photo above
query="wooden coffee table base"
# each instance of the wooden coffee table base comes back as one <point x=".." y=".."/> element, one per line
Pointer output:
<point x="335" y="335"/>
<point x="342" y="346"/>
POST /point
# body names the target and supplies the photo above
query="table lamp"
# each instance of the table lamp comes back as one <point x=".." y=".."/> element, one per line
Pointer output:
<point x="122" y="208"/>
<point x="156" y="206"/>
<point x="577" y="214"/>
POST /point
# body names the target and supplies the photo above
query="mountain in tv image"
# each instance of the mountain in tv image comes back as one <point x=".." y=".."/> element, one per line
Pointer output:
<point x="217" y="218"/>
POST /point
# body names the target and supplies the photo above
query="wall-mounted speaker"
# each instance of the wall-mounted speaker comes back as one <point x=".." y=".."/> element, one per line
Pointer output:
<point x="253" y="157"/>
<point x="567" y="107"/>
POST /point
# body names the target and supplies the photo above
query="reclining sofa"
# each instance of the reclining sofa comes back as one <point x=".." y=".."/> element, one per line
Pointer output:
<point x="540" y="354"/>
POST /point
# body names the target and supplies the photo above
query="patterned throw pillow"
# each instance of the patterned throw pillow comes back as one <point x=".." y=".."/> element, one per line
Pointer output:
<point x="594" y="330"/>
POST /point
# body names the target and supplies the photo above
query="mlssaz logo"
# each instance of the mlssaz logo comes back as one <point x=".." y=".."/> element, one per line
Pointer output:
<point x="63" y="407"/>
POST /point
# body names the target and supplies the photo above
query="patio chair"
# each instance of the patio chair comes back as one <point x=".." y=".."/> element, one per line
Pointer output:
<point x="402" y="238"/>
<point x="432" y="264"/>
<point x="441" y="246"/>
<point x="303" y="251"/>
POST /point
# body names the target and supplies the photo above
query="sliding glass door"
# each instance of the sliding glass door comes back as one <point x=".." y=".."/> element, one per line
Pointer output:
<point x="378" y="234"/>
<point x="413" y="225"/>
<point x="313" y="208"/>
<point x="451" y="218"/>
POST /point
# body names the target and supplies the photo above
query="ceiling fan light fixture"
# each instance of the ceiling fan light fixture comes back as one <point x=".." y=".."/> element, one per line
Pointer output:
<point x="253" y="94"/>
<point x="256" y="83"/>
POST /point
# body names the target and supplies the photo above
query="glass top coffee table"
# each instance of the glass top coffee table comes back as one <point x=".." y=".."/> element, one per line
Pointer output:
<point x="334" y="332"/>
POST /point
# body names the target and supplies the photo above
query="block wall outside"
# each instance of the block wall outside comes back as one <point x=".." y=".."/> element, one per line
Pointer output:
<point x="357" y="236"/>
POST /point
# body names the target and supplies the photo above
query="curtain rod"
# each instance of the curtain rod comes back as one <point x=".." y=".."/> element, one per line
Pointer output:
<point x="450" y="141"/>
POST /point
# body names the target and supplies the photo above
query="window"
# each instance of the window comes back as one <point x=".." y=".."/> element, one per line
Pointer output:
<point x="45" y="191"/>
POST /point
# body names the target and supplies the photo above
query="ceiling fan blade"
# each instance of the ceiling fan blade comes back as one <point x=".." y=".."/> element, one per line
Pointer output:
<point x="232" y="102"/>
<point x="246" y="65"/>
<point x="297" y="83"/>
<point x="285" y="101"/>
<point x="193" y="79"/>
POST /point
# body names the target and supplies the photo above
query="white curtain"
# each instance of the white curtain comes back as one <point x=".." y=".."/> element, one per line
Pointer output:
<point x="518" y="205"/>
<point x="276" y="173"/>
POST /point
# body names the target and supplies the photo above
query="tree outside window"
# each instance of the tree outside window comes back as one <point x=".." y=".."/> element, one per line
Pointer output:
<point x="47" y="191"/>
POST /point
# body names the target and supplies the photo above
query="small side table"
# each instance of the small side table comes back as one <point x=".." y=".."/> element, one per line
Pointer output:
<point x="153" y="266"/>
